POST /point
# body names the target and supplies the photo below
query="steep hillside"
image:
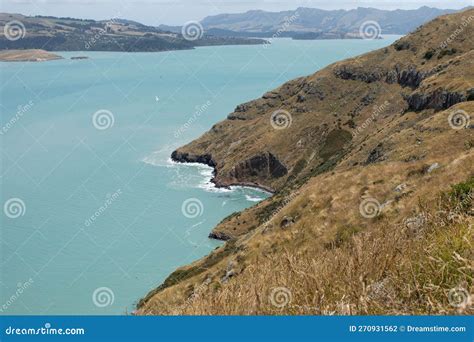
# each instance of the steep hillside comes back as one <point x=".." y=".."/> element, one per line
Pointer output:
<point x="69" y="34"/>
<point x="361" y="157"/>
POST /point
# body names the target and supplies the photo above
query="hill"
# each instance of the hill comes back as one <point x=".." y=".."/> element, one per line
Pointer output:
<point x="313" y="23"/>
<point x="69" y="34"/>
<point x="371" y="164"/>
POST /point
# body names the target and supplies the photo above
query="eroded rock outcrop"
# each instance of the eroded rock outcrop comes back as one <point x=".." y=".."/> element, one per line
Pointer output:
<point x="347" y="72"/>
<point x="438" y="100"/>
<point x="262" y="166"/>
<point x="184" y="157"/>
<point x="219" y="236"/>
<point x="395" y="156"/>
<point x="405" y="76"/>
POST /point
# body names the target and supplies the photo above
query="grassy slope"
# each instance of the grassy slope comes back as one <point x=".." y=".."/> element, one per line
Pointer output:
<point x="366" y="127"/>
<point x="33" y="55"/>
<point x="387" y="269"/>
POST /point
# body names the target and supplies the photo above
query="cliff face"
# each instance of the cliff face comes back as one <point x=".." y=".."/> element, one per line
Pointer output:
<point x="393" y="126"/>
<point x="339" y="98"/>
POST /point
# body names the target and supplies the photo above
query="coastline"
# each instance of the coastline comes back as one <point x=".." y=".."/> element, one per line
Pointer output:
<point x="28" y="55"/>
<point x="252" y="185"/>
<point x="206" y="159"/>
<point x="219" y="236"/>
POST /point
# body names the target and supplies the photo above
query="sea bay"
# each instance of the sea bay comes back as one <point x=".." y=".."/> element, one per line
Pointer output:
<point x="103" y="208"/>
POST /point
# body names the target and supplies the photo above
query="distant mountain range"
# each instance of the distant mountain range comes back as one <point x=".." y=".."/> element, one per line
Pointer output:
<point x="69" y="34"/>
<point x="317" y="20"/>
<point x="313" y="23"/>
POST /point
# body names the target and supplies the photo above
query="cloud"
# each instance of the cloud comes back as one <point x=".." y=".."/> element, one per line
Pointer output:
<point x="177" y="12"/>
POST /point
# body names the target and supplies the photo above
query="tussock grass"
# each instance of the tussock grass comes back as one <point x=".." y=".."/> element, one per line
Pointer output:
<point x="309" y="247"/>
<point x="423" y="265"/>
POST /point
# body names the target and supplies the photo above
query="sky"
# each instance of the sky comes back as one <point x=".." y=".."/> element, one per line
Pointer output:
<point x="177" y="12"/>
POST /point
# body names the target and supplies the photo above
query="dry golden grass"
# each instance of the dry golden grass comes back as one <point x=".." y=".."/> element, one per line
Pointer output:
<point x="326" y="213"/>
<point x="31" y="55"/>
<point x="423" y="266"/>
<point x="310" y="237"/>
<point x="323" y="103"/>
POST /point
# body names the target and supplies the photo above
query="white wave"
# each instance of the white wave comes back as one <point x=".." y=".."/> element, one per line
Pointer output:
<point x="188" y="231"/>
<point x="253" y="198"/>
<point x="160" y="157"/>
<point x="197" y="224"/>
<point x="151" y="159"/>
<point x="205" y="175"/>
<point x="186" y="179"/>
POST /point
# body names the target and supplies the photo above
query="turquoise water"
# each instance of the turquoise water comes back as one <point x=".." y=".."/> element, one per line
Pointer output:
<point x="103" y="215"/>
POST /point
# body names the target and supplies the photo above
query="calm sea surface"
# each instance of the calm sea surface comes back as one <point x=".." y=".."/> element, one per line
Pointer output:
<point x="94" y="213"/>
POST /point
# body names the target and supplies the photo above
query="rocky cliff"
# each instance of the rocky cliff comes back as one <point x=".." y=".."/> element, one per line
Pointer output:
<point x="349" y="152"/>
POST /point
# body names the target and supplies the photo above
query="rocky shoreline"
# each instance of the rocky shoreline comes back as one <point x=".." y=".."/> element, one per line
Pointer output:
<point x="206" y="159"/>
<point x="349" y="165"/>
